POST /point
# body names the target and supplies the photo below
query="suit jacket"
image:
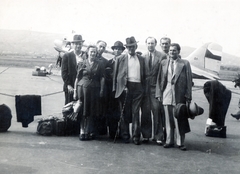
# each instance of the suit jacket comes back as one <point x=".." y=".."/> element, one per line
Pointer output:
<point x="182" y="81"/>
<point x="69" y="69"/>
<point x="151" y="75"/>
<point x="120" y="73"/>
<point x="91" y="76"/>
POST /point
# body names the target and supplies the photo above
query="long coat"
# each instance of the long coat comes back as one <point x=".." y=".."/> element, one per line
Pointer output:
<point x="182" y="84"/>
<point x="69" y="70"/>
<point x="120" y="73"/>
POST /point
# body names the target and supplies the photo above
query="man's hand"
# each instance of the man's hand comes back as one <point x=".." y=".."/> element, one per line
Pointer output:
<point x="70" y="89"/>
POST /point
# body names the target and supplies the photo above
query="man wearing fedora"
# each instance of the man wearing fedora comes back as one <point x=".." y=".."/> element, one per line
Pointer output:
<point x="69" y="66"/>
<point x="112" y="106"/>
<point x="150" y="104"/>
<point x="129" y="84"/>
<point x="174" y="87"/>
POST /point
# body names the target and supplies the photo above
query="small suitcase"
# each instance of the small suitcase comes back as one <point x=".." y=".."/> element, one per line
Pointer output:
<point x="216" y="131"/>
<point x="60" y="127"/>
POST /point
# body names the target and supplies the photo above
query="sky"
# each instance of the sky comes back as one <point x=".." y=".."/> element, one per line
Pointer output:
<point x="187" y="22"/>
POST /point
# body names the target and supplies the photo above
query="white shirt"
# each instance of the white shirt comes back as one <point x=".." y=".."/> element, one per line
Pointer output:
<point x="169" y="92"/>
<point x="133" y="69"/>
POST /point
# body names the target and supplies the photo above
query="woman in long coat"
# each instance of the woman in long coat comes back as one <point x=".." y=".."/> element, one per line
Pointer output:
<point x="90" y="83"/>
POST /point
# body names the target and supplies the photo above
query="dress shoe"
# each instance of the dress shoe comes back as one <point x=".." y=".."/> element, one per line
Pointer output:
<point x="136" y="141"/>
<point x="182" y="147"/>
<point x="168" y="145"/>
<point x="82" y="137"/>
<point x="159" y="142"/>
<point x="145" y="140"/>
<point x="126" y="140"/>
<point x="92" y="136"/>
<point x="237" y="116"/>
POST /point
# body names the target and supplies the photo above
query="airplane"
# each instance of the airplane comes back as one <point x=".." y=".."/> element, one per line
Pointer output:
<point x="205" y="61"/>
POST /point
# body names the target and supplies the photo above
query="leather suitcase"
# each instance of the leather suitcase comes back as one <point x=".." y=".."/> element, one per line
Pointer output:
<point x="216" y="131"/>
<point x="60" y="127"/>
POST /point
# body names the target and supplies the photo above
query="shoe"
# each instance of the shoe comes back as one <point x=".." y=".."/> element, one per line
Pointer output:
<point x="126" y="140"/>
<point x="145" y="140"/>
<point x="168" y="145"/>
<point x="237" y="116"/>
<point x="92" y="136"/>
<point x="82" y="137"/>
<point x="182" y="147"/>
<point x="136" y="141"/>
<point x="159" y="142"/>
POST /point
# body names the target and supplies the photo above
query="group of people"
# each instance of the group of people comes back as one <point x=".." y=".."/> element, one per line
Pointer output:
<point x="142" y="89"/>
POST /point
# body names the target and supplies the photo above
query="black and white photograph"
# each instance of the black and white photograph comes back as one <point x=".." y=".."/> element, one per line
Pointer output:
<point x="119" y="86"/>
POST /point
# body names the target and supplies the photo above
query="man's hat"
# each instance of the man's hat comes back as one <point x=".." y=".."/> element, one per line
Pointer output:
<point x="130" y="41"/>
<point x="118" y="44"/>
<point x="191" y="112"/>
<point x="75" y="38"/>
<point x="194" y="110"/>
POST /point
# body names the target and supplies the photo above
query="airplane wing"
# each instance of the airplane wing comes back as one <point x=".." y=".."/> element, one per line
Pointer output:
<point x="203" y="74"/>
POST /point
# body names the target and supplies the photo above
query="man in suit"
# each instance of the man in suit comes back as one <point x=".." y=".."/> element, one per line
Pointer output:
<point x="174" y="86"/>
<point x="101" y="47"/>
<point x="69" y="66"/>
<point x="165" y="44"/>
<point x="112" y="106"/>
<point x="150" y="104"/>
<point x="129" y="85"/>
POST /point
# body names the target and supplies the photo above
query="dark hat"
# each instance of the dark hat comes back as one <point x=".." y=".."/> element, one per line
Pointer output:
<point x="181" y="109"/>
<point x="75" y="38"/>
<point x="191" y="112"/>
<point x="118" y="44"/>
<point x="130" y="41"/>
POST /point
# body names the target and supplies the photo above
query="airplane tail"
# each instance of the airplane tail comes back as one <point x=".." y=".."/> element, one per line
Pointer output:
<point x="208" y="57"/>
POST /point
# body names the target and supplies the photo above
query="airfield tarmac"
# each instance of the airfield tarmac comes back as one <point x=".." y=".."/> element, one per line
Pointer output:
<point x="24" y="151"/>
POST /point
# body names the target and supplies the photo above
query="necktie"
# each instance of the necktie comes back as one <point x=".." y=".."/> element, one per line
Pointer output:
<point x="150" y="62"/>
<point x="172" y="66"/>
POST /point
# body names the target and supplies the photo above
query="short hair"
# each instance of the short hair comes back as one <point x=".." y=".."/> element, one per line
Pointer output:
<point x="151" y="38"/>
<point x="176" y="45"/>
<point x="90" y="46"/>
<point x="101" y="41"/>
<point x="165" y="38"/>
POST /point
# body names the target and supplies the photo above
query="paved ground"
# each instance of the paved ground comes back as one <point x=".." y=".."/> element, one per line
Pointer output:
<point x="24" y="151"/>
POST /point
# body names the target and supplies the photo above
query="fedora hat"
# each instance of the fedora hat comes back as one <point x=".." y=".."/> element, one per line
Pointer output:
<point x="75" y="38"/>
<point x="194" y="110"/>
<point x="191" y="112"/>
<point x="130" y="41"/>
<point x="181" y="109"/>
<point x="118" y="44"/>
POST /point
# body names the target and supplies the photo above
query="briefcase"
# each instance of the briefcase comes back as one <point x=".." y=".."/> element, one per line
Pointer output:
<point x="216" y="131"/>
<point x="60" y="127"/>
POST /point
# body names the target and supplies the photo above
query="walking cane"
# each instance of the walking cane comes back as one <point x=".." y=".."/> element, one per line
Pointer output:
<point x="121" y="118"/>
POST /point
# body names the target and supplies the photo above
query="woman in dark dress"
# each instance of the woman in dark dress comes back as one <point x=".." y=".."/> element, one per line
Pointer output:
<point x="90" y="83"/>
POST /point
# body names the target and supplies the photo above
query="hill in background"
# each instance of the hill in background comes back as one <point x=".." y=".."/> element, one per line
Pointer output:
<point x="31" y="44"/>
